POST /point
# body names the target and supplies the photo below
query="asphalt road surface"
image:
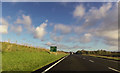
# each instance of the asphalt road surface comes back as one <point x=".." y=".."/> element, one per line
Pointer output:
<point x="81" y="64"/>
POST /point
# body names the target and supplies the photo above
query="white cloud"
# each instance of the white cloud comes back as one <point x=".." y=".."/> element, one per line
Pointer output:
<point x="40" y="31"/>
<point x="95" y="15"/>
<point x="86" y="38"/>
<point x="62" y="46"/>
<point x="70" y="48"/>
<point x="80" y="47"/>
<point x="111" y="42"/>
<point x="104" y="9"/>
<point x="113" y="34"/>
<point x="64" y="29"/>
<point x="3" y="21"/>
<point x="108" y="29"/>
<point x="78" y="29"/>
<point x="26" y="21"/>
<point x="16" y="29"/>
<point x="56" y="38"/>
<point x="98" y="13"/>
<point x="49" y="43"/>
<point x="3" y="26"/>
<point x="79" y="11"/>
<point x="100" y="22"/>
<point x="3" y="29"/>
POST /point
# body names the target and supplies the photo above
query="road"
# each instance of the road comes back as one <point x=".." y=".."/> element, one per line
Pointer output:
<point x="81" y="64"/>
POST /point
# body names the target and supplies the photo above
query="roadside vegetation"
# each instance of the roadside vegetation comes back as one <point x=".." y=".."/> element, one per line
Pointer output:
<point x="101" y="54"/>
<point x="26" y="58"/>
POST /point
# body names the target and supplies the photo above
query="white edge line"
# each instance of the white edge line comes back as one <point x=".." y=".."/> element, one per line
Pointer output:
<point x="113" y="69"/>
<point x="54" y="64"/>
<point x="91" y="60"/>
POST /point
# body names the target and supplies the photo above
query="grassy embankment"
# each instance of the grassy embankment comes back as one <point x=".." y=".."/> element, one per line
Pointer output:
<point x="114" y="58"/>
<point x="25" y="58"/>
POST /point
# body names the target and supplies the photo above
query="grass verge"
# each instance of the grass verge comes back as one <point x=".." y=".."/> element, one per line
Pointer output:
<point x="24" y="58"/>
<point x="113" y="58"/>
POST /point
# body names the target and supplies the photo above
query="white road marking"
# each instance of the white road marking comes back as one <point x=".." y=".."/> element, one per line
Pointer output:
<point x="91" y="60"/>
<point x="54" y="65"/>
<point x="113" y="69"/>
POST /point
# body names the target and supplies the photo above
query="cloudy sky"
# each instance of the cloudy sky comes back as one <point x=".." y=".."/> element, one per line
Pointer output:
<point x="71" y="26"/>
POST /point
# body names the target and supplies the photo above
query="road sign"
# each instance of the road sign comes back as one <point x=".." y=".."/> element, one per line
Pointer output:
<point x="53" y="48"/>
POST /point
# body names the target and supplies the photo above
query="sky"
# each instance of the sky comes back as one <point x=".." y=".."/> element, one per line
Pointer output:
<point x="71" y="26"/>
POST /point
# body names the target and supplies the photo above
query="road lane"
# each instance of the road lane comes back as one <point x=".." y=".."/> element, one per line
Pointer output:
<point x="83" y="64"/>
<point x="74" y="63"/>
<point x="105" y="62"/>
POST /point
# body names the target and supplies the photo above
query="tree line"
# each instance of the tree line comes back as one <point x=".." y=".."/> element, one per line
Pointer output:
<point x="99" y="52"/>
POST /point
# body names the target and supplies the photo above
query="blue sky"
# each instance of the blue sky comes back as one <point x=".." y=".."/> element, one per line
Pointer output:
<point x="71" y="26"/>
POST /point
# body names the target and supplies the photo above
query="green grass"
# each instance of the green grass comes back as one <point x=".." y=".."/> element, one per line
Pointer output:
<point x="23" y="58"/>
<point x="114" y="58"/>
